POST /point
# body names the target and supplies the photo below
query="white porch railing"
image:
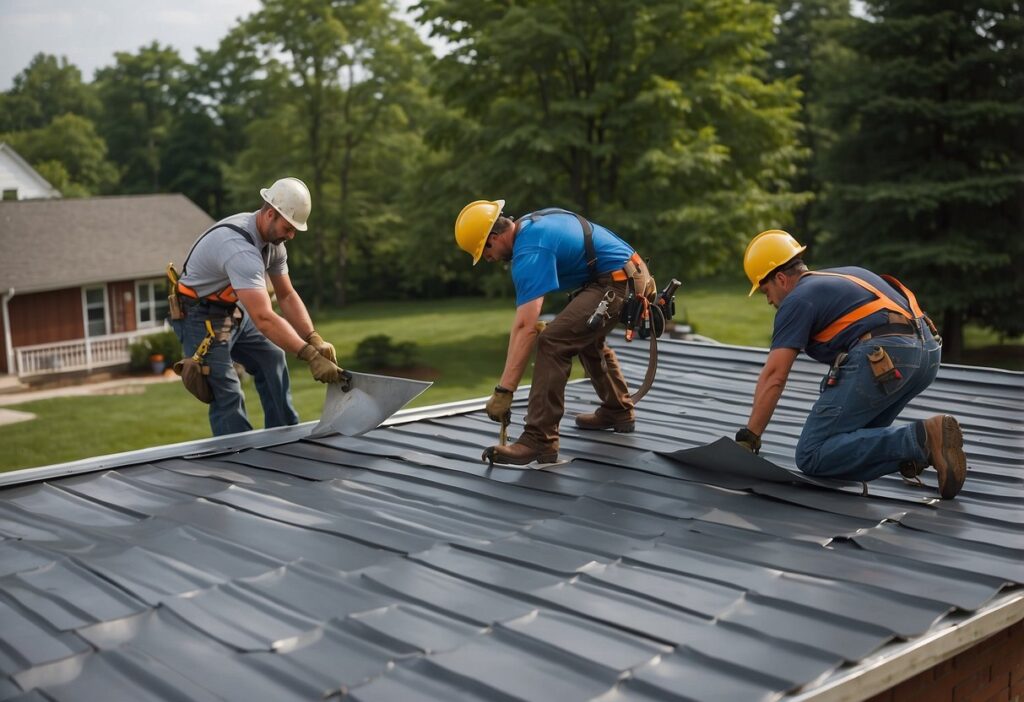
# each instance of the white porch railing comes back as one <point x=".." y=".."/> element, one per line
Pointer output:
<point x="79" y="354"/>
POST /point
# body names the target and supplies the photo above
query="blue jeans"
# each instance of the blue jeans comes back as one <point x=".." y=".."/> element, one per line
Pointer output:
<point x="238" y="340"/>
<point x="849" y="433"/>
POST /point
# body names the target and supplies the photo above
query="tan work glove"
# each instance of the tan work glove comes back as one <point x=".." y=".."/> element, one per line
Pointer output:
<point x="323" y="369"/>
<point x="499" y="407"/>
<point x="324" y="348"/>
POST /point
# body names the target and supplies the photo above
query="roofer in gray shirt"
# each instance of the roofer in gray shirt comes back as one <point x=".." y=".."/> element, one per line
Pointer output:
<point x="224" y="313"/>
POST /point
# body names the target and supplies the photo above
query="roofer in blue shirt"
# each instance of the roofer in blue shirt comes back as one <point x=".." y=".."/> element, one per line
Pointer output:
<point x="554" y="250"/>
<point x="882" y="352"/>
<point x="222" y="313"/>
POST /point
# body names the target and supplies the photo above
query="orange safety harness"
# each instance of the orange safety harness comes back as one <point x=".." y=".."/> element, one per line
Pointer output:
<point x="881" y="302"/>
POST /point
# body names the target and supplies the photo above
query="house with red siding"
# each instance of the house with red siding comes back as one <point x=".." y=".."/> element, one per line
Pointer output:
<point x="80" y="279"/>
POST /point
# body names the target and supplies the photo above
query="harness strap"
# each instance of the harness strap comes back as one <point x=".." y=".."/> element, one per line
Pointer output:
<point x="588" y="235"/>
<point x="627" y="270"/>
<point x="224" y="296"/>
<point x="882" y="302"/>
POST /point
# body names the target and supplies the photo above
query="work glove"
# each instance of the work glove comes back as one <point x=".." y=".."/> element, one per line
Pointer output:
<point x="324" y="348"/>
<point x="749" y="440"/>
<point x="324" y="370"/>
<point x="499" y="407"/>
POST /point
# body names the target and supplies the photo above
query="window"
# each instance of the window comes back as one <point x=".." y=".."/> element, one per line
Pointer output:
<point x="95" y="311"/>
<point x="150" y="303"/>
<point x="10" y="193"/>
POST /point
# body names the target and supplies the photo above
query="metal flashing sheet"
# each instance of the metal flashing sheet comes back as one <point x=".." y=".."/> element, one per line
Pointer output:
<point x="666" y="564"/>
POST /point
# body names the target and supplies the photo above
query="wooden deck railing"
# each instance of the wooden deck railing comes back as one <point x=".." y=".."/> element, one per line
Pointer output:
<point x="77" y="355"/>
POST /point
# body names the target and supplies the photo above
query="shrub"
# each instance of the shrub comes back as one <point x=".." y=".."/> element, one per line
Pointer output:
<point x="164" y="343"/>
<point x="379" y="351"/>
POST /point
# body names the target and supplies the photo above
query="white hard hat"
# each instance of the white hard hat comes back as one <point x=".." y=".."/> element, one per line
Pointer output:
<point x="290" y="197"/>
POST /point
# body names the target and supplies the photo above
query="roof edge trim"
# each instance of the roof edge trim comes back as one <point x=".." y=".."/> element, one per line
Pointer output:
<point x="258" y="438"/>
<point x="893" y="665"/>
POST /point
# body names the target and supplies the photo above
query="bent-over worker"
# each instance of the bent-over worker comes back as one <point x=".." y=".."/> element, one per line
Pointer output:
<point x="882" y="351"/>
<point x="222" y="282"/>
<point x="553" y="250"/>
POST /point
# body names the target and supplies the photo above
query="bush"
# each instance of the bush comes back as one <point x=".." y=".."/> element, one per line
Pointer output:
<point x="379" y="351"/>
<point x="164" y="343"/>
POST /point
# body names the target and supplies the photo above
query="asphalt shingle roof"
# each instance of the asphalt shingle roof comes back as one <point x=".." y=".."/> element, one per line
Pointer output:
<point x="51" y="244"/>
<point x="397" y="566"/>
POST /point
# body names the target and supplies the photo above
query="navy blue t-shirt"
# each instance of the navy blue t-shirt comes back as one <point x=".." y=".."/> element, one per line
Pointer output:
<point x="819" y="300"/>
<point x="548" y="254"/>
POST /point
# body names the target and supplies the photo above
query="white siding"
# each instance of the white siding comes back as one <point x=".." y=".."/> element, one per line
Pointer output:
<point x="17" y="175"/>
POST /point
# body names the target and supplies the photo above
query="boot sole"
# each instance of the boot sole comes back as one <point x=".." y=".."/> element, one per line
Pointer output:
<point x="540" y="458"/>
<point x="953" y="457"/>
<point x="623" y="428"/>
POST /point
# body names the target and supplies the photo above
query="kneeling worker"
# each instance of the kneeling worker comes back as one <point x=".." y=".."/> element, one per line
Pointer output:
<point x="882" y="351"/>
<point x="556" y="250"/>
<point x="224" y="273"/>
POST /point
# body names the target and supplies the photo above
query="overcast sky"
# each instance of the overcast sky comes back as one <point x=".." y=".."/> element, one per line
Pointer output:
<point x="88" y="32"/>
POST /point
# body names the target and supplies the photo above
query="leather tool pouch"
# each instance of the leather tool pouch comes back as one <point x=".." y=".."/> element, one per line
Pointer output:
<point x="193" y="375"/>
<point x="881" y="366"/>
<point x="643" y="282"/>
<point x="174" y="307"/>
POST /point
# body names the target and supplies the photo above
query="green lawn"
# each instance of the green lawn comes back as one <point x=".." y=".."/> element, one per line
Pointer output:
<point x="463" y="340"/>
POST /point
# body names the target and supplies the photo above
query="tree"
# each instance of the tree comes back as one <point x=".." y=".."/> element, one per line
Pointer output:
<point x="141" y="95"/>
<point x="223" y="92"/>
<point x="69" y="154"/>
<point x="651" y="117"/>
<point x="344" y="64"/>
<point x="47" y="88"/>
<point x="929" y="172"/>
<point x="807" y="49"/>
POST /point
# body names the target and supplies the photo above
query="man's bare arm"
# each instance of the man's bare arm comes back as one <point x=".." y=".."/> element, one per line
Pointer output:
<point x="272" y="325"/>
<point x="770" y="385"/>
<point x="292" y="307"/>
<point x="520" y="342"/>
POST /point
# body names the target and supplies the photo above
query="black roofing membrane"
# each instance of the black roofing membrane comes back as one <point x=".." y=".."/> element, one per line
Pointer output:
<point x="667" y="564"/>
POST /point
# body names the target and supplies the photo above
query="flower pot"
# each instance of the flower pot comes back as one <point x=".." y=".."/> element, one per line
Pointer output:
<point x="156" y="362"/>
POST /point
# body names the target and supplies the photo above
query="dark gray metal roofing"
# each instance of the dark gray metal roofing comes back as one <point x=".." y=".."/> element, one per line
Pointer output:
<point x="397" y="566"/>
<point x="50" y="244"/>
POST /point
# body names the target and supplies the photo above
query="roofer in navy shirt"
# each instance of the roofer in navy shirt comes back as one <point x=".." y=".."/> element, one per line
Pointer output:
<point x="882" y="351"/>
<point x="556" y="250"/>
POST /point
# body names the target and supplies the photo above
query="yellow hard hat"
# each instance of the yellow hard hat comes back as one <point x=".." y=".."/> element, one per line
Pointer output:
<point x="474" y="224"/>
<point x="766" y="252"/>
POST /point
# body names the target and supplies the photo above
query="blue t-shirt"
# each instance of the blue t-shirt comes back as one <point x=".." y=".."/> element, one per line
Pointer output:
<point x="819" y="300"/>
<point x="548" y="255"/>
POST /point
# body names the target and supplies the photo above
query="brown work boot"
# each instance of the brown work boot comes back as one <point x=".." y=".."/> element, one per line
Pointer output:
<point x="945" y="445"/>
<point x="520" y="454"/>
<point x="601" y="420"/>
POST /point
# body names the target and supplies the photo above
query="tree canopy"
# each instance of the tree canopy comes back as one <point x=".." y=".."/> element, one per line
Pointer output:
<point x="654" y="118"/>
<point x="889" y="138"/>
<point x="928" y="173"/>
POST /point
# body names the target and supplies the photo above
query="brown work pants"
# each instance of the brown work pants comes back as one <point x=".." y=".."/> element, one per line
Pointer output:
<point x="563" y="338"/>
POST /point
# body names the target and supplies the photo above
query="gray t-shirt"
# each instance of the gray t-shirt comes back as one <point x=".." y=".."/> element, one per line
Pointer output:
<point x="225" y="256"/>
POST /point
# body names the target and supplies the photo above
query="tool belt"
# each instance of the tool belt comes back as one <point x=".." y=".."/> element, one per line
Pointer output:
<point x="896" y="326"/>
<point x="206" y="305"/>
<point x="641" y="293"/>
